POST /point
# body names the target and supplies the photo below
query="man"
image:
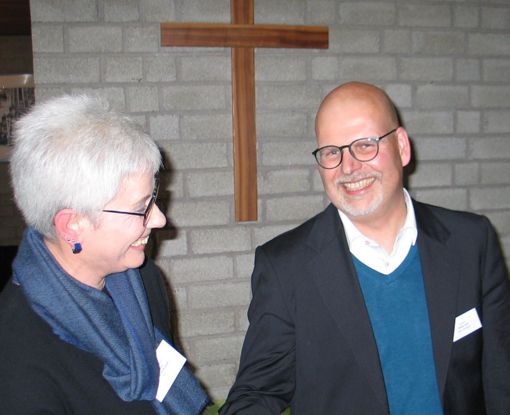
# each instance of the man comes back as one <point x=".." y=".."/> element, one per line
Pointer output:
<point x="379" y="304"/>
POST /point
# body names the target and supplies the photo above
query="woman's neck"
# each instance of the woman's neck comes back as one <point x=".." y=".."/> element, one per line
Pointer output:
<point x="73" y="264"/>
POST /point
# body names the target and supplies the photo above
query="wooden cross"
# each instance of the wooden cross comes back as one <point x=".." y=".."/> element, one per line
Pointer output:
<point x="242" y="35"/>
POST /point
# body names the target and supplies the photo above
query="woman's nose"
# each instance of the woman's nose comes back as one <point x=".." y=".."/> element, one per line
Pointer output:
<point x="157" y="219"/>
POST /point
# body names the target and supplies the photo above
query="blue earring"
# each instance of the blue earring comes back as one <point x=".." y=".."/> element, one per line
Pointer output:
<point x="76" y="248"/>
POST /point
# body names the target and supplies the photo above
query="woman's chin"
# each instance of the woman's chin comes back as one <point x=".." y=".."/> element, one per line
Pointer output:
<point x="136" y="257"/>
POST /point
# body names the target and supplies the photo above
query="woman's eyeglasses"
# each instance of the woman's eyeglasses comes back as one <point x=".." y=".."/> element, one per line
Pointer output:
<point x="147" y="213"/>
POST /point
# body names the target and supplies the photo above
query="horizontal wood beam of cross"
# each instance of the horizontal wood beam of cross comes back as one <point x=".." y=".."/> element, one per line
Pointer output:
<point x="242" y="35"/>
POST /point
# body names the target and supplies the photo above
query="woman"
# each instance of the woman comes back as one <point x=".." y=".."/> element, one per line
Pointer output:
<point x="83" y="316"/>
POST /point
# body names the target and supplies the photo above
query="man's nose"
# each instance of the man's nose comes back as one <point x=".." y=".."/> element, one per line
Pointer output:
<point x="349" y="163"/>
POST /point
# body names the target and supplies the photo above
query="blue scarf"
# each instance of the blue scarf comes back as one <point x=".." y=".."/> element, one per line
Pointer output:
<point x="115" y="326"/>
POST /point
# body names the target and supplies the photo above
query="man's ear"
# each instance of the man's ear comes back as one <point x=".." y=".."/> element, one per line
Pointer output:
<point x="404" y="146"/>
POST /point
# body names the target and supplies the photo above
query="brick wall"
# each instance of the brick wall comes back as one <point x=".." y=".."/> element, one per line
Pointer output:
<point x="445" y="63"/>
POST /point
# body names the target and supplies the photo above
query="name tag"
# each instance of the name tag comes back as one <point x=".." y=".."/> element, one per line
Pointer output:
<point x="465" y="324"/>
<point x="170" y="364"/>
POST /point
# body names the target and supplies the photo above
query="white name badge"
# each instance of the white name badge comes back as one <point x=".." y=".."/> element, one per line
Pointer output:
<point x="170" y="364"/>
<point x="465" y="324"/>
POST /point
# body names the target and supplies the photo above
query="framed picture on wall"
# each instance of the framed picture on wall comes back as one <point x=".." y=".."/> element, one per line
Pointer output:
<point x="16" y="97"/>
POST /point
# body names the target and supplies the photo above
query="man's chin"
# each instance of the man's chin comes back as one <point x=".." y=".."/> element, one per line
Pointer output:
<point x="359" y="211"/>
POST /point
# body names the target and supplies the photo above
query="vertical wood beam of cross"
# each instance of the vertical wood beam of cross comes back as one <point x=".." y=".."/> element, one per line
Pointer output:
<point x="243" y="119"/>
<point x="242" y="35"/>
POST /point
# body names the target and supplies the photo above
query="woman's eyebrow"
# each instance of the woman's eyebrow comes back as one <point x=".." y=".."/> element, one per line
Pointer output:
<point x="141" y="201"/>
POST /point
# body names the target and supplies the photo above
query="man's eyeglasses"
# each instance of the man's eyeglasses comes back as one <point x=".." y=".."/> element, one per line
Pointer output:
<point x="146" y="215"/>
<point x="362" y="149"/>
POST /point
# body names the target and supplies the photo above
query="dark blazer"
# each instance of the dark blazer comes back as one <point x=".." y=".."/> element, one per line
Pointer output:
<point x="42" y="374"/>
<point x="310" y="342"/>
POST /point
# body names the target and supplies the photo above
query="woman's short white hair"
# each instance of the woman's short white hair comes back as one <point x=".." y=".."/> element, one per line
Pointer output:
<point x="74" y="152"/>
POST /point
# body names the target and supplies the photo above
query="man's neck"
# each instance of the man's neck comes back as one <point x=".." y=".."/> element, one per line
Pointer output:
<point x="384" y="227"/>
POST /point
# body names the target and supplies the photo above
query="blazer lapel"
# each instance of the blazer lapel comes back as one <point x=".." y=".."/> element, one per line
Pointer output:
<point x="441" y="281"/>
<point x="338" y="285"/>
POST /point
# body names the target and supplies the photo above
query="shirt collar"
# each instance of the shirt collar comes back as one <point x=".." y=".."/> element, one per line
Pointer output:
<point x="408" y="230"/>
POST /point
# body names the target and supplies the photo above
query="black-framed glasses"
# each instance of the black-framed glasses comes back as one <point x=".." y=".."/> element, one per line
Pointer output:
<point x="147" y="213"/>
<point x="362" y="149"/>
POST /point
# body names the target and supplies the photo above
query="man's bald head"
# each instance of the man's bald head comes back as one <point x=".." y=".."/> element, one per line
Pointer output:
<point x="366" y="96"/>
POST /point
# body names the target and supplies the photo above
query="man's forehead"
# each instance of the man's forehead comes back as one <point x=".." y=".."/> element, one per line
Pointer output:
<point x="341" y="111"/>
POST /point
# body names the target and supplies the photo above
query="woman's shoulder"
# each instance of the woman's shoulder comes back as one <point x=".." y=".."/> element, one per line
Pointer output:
<point x="29" y="358"/>
<point x="27" y="340"/>
<point x="39" y="372"/>
<point x="17" y="319"/>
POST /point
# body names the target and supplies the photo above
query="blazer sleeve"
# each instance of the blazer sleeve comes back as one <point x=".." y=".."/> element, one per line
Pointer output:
<point x="496" y="327"/>
<point x="266" y="377"/>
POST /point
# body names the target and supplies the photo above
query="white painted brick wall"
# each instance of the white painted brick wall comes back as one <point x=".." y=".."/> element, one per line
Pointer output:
<point x="157" y="10"/>
<point x="466" y="174"/>
<point x="159" y="68"/>
<point x="96" y="38"/>
<point x="121" y="10"/>
<point x="63" y="10"/>
<point x="193" y="97"/>
<point x="432" y="175"/>
<point x="122" y="69"/>
<point x="445" y="63"/>
<point x="48" y="38"/>
<point x="442" y="96"/>
<point x="141" y="39"/>
<point x="497" y="121"/>
<point x="66" y="70"/>
<point x="439" y="43"/>
<point x="426" y="69"/>
<point x="424" y="15"/>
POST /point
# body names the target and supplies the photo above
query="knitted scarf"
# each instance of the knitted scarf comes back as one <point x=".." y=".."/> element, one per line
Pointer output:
<point x="115" y="326"/>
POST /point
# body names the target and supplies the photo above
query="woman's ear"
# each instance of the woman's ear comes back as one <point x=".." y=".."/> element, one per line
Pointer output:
<point x="68" y="226"/>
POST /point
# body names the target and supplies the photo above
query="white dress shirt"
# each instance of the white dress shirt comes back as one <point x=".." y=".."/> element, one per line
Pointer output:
<point x="374" y="255"/>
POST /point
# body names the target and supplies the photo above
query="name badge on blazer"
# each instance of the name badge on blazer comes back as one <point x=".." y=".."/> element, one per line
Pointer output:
<point x="170" y="364"/>
<point x="465" y="324"/>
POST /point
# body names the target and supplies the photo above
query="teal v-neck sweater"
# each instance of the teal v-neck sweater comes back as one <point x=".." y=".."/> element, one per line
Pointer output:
<point x="398" y="313"/>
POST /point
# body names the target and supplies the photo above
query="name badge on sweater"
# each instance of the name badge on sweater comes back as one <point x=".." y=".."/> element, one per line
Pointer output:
<point x="170" y="364"/>
<point x="465" y="324"/>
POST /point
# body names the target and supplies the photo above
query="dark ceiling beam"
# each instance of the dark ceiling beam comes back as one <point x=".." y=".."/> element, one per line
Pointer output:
<point x="15" y="18"/>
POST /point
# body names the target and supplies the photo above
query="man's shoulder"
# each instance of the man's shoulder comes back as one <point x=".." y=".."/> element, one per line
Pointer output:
<point x="309" y="233"/>
<point x="445" y="223"/>
<point x="447" y="215"/>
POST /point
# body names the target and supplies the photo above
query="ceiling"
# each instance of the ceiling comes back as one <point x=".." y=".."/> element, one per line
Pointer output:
<point x="14" y="17"/>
